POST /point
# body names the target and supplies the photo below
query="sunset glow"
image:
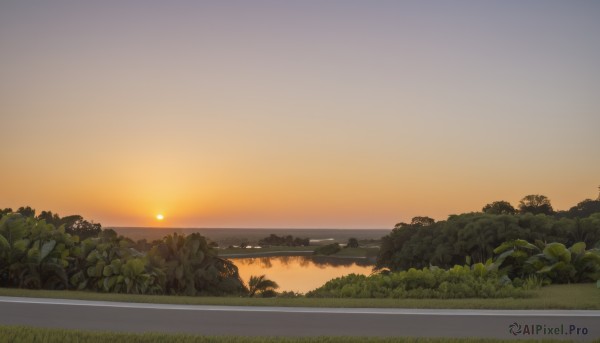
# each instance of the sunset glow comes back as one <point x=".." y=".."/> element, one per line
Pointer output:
<point x="296" y="114"/>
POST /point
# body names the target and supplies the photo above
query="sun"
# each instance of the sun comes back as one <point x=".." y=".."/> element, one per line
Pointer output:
<point x="160" y="217"/>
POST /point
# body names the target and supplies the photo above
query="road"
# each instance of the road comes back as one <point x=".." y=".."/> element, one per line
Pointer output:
<point x="298" y="321"/>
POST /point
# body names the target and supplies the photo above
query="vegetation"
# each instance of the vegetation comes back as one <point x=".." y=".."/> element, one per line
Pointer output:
<point x="536" y="204"/>
<point x="73" y="224"/>
<point x="352" y="243"/>
<point x="554" y="263"/>
<point x="520" y="266"/>
<point x="35" y="254"/>
<point x="288" y="241"/>
<point x="424" y="242"/>
<point x="17" y="334"/>
<point x="268" y="251"/>
<point x="573" y="296"/>
<point x="459" y="282"/>
<point x="260" y="285"/>
<point x="328" y="249"/>
<point x="499" y="207"/>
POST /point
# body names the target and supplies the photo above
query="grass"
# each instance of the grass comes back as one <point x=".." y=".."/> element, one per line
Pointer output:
<point x="570" y="297"/>
<point x="270" y="251"/>
<point x="18" y="334"/>
<point x="286" y="251"/>
<point x="357" y="252"/>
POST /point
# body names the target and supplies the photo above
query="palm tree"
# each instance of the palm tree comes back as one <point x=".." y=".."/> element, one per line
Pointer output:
<point x="260" y="284"/>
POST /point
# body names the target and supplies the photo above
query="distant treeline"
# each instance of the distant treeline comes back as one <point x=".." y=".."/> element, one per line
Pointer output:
<point x="289" y="241"/>
<point x="473" y="236"/>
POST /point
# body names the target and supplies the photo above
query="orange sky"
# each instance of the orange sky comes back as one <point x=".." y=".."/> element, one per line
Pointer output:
<point x="296" y="115"/>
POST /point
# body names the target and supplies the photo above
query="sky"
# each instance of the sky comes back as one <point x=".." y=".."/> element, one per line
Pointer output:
<point x="305" y="114"/>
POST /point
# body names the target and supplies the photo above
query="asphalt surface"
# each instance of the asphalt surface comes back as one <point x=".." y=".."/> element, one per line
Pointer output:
<point x="298" y="321"/>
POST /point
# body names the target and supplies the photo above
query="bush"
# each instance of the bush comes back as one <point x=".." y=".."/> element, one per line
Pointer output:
<point x="477" y="281"/>
<point x="328" y="249"/>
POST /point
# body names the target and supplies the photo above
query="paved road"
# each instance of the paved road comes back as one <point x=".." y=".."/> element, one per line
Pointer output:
<point x="286" y="321"/>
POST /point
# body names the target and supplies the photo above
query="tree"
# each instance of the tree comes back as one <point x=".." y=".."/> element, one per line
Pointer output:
<point x="582" y="210"/>
<point x="50" y="218"/>
<point x="352" y="243"/>
<point x="76" y="225"/>
<point x="536" y="204"/>
<point x="422" y="221"/>
<point x="328" y="249"/>
<point x="499" y="207"/>
<point x="260" y="284"/>
<point x="26" y="211"/>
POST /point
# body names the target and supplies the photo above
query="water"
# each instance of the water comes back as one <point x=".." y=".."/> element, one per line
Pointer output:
<point x="300" y="273"/>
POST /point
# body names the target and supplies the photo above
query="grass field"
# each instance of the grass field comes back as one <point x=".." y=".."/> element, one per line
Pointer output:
<point x="580" y="296"/>
<point x="18" y="334"/>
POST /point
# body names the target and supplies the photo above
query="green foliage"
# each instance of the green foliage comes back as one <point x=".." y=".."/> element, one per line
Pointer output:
<point x="477" y="281"/>
<point x="549" y="263"/>
<point x="557" y="264"/>
<point x="35" y="254"/>
<point x="446" y="243"/>
<point x="328" y="249"/>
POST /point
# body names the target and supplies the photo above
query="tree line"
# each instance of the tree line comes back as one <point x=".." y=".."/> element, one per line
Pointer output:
<point x="474" y="236"/>
<point x="288" y="241"/>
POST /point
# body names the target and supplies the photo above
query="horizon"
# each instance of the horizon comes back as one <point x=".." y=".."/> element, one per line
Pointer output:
<point x="301" y="115"/>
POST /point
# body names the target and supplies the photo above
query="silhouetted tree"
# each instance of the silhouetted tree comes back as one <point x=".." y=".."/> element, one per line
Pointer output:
<point x="352" y="243"/>
<point x="536" y="204"/>
<point x="422" y="221"/>
<point x="499" y="207"/>
<point x="26" y="211"/>
<point x="76" y="225"/>
<point x="260" y="284"/>
<point x="583" y="209"/>
<point x="50" y="218"/>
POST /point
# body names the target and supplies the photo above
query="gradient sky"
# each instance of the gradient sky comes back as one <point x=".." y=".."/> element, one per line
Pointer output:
<point x="342" y="114"/>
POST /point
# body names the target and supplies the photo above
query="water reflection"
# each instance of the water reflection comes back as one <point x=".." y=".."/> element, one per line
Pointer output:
<point x="301" y="273"/>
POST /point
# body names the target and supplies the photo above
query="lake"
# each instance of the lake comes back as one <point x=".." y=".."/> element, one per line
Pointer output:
<point x="300" y="273"/>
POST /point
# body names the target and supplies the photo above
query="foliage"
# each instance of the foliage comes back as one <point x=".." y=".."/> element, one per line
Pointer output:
<point x="73" y="224"/>
<point x="328" y="249"/>
<point x="289" y="240"/>
<point x="583" y="209"/>
<point x="476" y="281"/>
<point x="35" y="254"/>
<point x="260" y="285"/>
<point x="499" y="207"/>
<point x="536" y="204"/>
<point x="548" y="263"/>
<point x="476" y="235"/>
<point x="352" y="243"/>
